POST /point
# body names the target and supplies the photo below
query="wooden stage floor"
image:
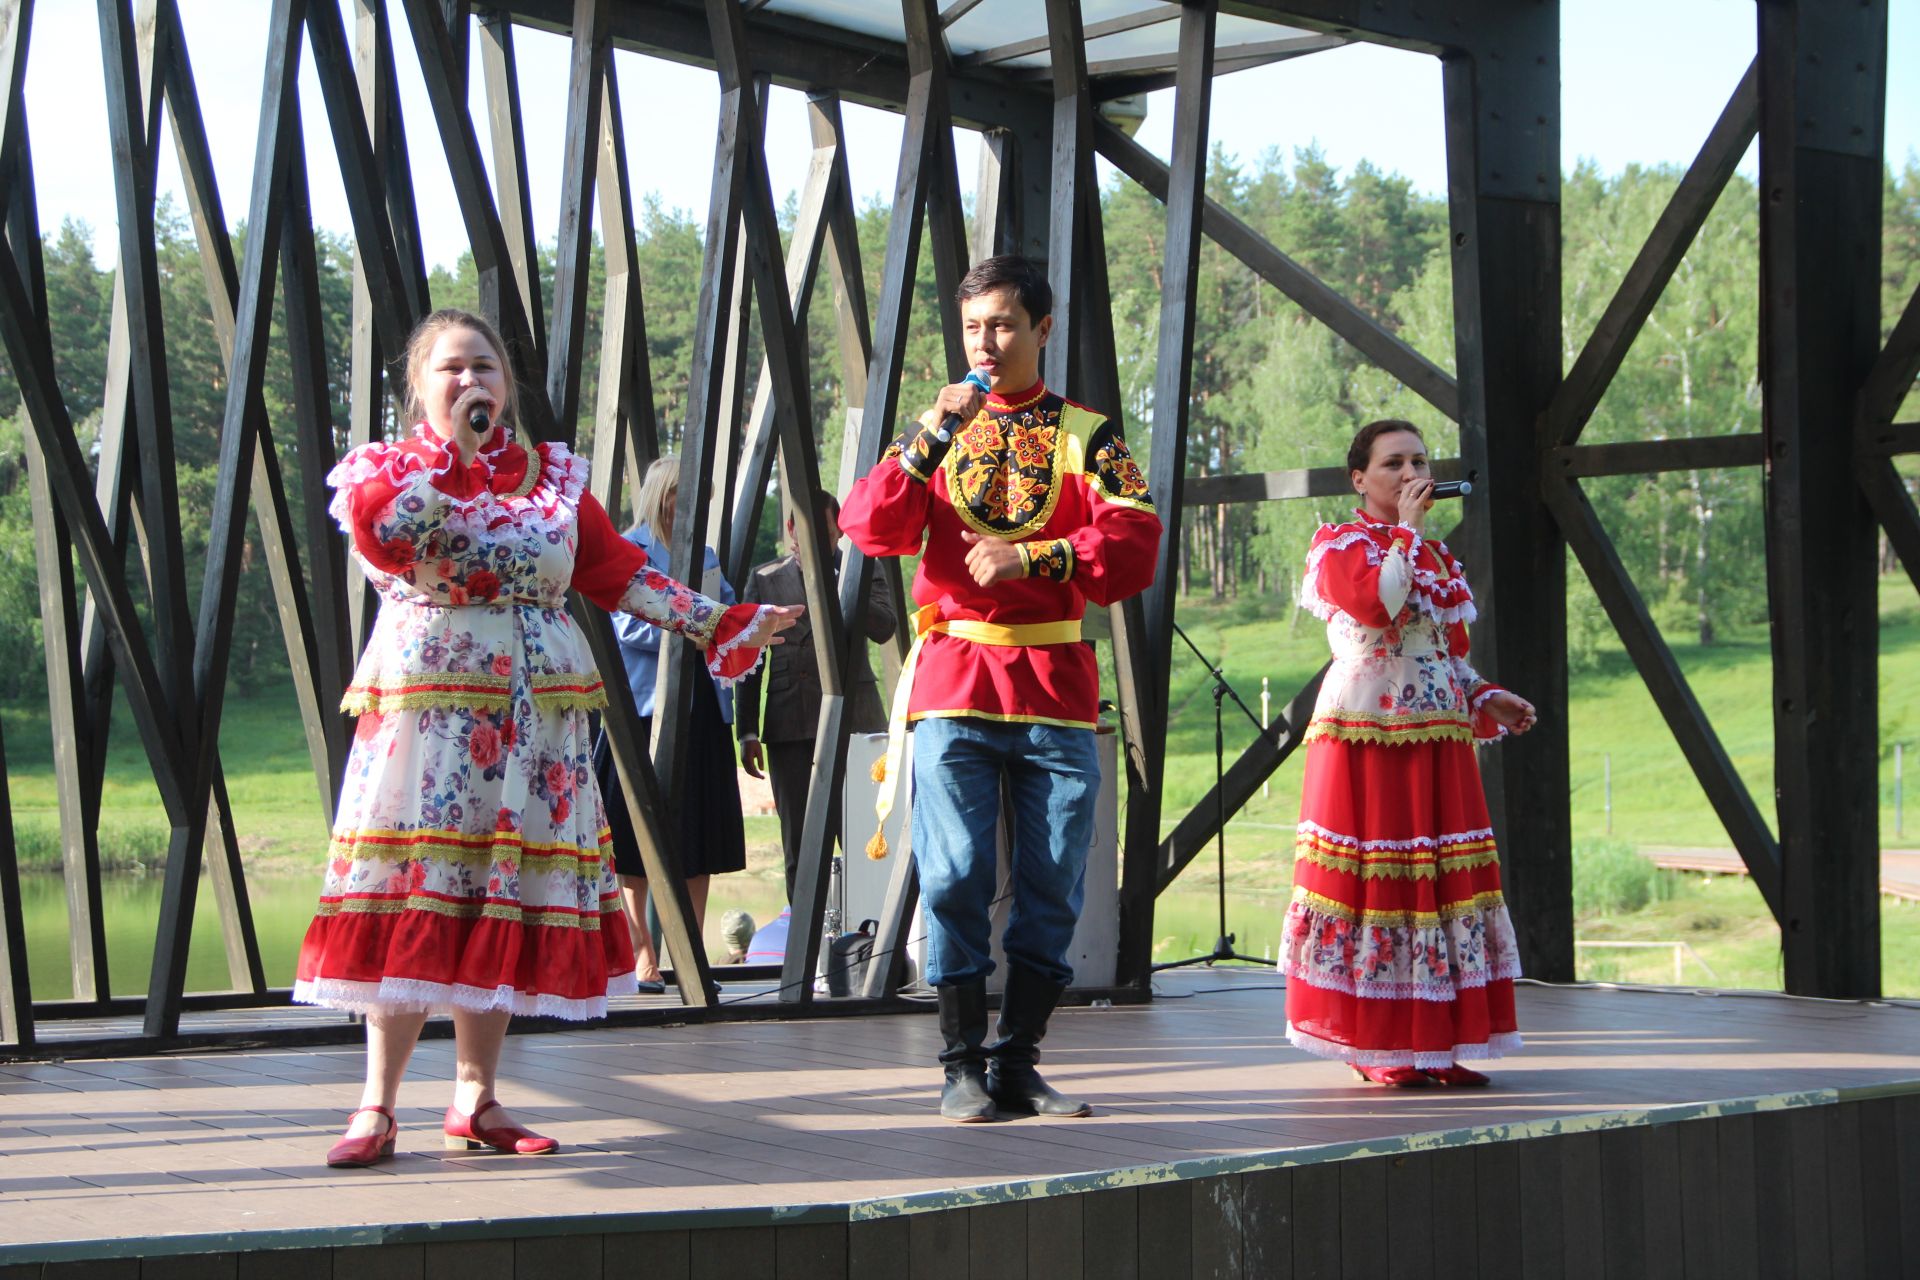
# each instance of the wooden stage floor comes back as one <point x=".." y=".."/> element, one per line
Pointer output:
<point x="761" y="1119"/>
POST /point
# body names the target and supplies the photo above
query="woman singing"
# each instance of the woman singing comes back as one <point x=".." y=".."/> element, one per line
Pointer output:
<point x="1399" y="953"/>
<point x="467" y="872"/>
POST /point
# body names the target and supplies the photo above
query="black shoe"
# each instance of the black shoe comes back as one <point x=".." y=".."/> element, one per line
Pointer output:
<point x="963" y="1025"/>
<point x="1012" y="1081"/>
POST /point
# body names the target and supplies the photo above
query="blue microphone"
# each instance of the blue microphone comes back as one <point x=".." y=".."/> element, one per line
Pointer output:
<point x="951" y="423"/>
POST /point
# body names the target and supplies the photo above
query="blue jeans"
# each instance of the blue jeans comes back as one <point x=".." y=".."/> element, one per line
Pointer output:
<point x="1053" y="776"/>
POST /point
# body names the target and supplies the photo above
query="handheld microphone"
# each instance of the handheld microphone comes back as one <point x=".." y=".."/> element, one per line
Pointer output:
<point x="1454" y="488"/>
<point x="951" y="423"/>
<point x="479" y="420"/>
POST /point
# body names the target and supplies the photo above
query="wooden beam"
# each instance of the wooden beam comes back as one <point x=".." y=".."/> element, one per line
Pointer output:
<point x="1646" y="457"/>
<point x="1891" y="380"/>
<point x="129" y="126"/>
<point x="1172" y="420"/>
<point x="1153" y="15"/>
<point x="1893" y="507"/>
<point x="1373" y="340"/>
<point x="1501" y="105"/>
<point x="16" y="981"/>
<point x="1299" y="482"/>
<point x="1238" y="58"/>
<point x="1672" y="235"/>
<point x="592" y="46"/>
<point x="760" y="437"/>
<point x="624" y="422"/>
<point x="1258" y="762"/>
<point x="1821" y="167"/>
<point x="500" y="67"/>
<point x="240" y="430"/>
<point x="640" y="789"/>
<point x="59" y="615"/>
<point x="441" y="68"/>
<point x="780" y="317"/>
<point x="920" y="155"/>
<point x="1726" y="792"/>
<point x="396" y="284"/>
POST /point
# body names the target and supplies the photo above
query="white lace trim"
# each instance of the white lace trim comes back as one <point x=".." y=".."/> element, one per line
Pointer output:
<point x="379" y="459"/>
<point x="1496" y="1046"/>
<point x="412" y="995"/>
<point x="718" y="653"/>
<point x="553" y="506"/>
<point x="1425" y="581"/>
<point x="1418" y="842"/>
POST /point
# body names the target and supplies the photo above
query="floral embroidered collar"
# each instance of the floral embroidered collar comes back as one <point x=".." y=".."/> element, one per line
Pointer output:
<point x="1006" y="467"/>
<point x="506" y="466"/>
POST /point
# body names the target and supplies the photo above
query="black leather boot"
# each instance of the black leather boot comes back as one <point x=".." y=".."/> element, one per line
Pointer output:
<point x="1015" y="1086"/>
<point x="963" y="1024"/>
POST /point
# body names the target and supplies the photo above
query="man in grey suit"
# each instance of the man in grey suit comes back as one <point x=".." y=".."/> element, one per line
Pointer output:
<point x="781" y="744"/>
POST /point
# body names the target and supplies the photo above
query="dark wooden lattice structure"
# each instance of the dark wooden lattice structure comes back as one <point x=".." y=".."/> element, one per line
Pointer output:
<point x="1815" y="97"/>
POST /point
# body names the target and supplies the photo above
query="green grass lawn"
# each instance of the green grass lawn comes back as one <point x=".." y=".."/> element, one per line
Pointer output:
<point x="1656" y="800"/>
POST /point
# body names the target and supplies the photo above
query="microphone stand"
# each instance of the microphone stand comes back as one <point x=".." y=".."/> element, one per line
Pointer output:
<point x="1223" y="941"/>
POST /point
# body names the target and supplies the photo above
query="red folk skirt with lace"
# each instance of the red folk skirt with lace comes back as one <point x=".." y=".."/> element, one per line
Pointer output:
<point x="1398" y="949"/>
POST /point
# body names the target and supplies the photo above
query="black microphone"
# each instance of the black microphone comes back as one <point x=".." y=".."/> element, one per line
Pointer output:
<point x="479" y="421"/>
<point x="1453" y="488"/>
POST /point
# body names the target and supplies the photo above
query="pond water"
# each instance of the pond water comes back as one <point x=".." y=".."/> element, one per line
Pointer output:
<point x="1184" y="924"/>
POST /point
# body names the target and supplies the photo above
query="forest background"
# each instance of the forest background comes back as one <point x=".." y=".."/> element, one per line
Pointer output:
<point x="1272" y="389"/>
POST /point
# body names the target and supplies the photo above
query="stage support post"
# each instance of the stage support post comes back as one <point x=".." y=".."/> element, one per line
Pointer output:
<point x="1823" y="66"/>
<point x="1502" y="105"/>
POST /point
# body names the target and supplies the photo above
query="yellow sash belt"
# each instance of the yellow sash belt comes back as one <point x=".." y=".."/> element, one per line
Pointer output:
<point x="925" y="623"/>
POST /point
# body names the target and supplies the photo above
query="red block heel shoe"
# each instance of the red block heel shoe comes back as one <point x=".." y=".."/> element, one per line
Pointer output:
<point x="1458" y="1077"/>
<point x="368" y="1149"/>
<point x="1393" y="1077"/>
<point x="466" y="1133"/>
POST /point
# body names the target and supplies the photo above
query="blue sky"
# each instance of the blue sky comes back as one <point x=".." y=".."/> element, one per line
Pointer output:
<point x="1356" y="103"/>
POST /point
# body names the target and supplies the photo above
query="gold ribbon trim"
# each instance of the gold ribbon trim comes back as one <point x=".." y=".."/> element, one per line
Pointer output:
<point x="925" y="623"/>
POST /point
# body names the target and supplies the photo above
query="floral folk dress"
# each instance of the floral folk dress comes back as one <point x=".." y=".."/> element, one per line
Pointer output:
<point x="1397" y="947"/>
<point x="468" y="865"/>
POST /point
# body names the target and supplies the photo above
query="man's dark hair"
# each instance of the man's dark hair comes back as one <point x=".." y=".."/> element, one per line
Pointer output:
<point x="1360" y="452"/>
<point x="825" y="504"/>
<point x="1010" y="271"/>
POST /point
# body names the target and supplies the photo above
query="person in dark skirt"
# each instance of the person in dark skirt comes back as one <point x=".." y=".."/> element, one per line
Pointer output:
<point x="709" y="831"/>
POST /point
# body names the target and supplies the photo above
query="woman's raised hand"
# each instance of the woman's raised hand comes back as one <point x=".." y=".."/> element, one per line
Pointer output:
<point x="769" y="623"/>
<point x="1415" y="497"/>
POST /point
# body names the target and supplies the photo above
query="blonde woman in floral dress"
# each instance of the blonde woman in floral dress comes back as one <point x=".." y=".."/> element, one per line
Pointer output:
<point x="1399" y="954"/>
<point x="466" y="873"/>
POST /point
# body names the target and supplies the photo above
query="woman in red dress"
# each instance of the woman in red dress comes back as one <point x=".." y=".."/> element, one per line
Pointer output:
<point x="1398" y="950"/>
<point x="468" y="870"/>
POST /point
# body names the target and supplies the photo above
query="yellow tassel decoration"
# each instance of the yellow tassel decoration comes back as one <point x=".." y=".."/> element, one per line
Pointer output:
<point x="877" y="847"/>
<point x="879" y="770"/>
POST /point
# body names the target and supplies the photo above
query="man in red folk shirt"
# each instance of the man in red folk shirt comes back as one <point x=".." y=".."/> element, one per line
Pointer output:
<point x="1030" y="509"/>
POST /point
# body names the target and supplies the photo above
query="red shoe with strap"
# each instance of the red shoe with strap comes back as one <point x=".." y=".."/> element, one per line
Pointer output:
<point x="1393" y="1077"/>
<point x="368" y="1148"/>
<point x="466" y="1133"/>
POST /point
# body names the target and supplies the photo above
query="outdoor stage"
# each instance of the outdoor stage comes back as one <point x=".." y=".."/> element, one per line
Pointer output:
<point x="1640" y="1133"/>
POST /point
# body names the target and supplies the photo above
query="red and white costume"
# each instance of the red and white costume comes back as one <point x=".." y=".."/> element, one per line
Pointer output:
<point x="467" y="866"/>
<point x="1398" y="948"/>
<point x="1057" y="479"/>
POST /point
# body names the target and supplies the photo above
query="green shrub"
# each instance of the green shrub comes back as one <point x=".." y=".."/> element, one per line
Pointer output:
<point x="126" y="844"/>
<point x="1610" y="877"/>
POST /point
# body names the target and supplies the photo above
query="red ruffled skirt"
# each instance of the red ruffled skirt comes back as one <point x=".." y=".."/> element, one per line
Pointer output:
<point x="1398" y="949"/>
<point x="470" y="868"/>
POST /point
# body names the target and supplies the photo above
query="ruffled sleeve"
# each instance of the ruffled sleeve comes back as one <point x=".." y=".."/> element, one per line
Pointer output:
<point x="390" y="498"/>
<point x="1349" y="572"/>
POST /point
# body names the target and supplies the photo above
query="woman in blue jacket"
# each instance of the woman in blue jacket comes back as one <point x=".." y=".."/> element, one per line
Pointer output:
<point x="711" y="838"/>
